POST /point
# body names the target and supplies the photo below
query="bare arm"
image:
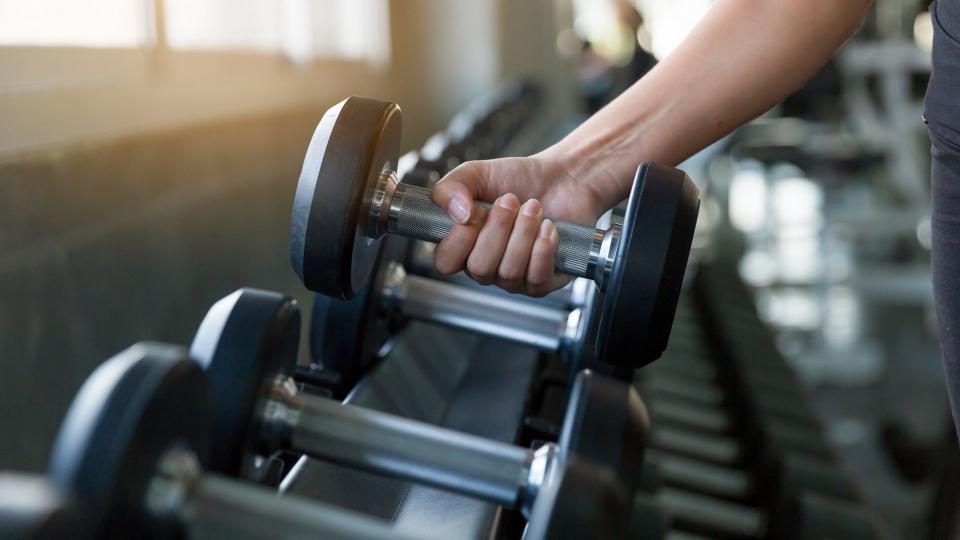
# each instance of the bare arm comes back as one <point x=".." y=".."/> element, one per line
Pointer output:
<point x="743" y="58"/>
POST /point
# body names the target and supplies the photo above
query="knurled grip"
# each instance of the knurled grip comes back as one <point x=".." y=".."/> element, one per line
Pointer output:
<point x="414" y="214"/>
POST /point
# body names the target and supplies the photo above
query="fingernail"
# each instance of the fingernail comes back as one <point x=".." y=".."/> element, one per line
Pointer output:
<point x="546" y="229"/>
<point x="459" y="210"/>
<point x="531" y="208"/>
<point x="509" y="201"/>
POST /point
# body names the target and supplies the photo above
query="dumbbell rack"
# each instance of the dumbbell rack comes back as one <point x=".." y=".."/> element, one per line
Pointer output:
<point x="723" y="395"/>
<point x="733" y="432"/>
<point x="718" y="435"/>
<point x="443" y="377"/>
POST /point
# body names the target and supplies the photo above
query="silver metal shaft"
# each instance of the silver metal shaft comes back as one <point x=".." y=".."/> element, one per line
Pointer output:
<point x="219" y="507"/>
<point x="721" y="516"/>
<point x="409" y="210"/>
<point x="434" y="301"/>
<point x="382" y="443"/>
<point x="209" y="506"/>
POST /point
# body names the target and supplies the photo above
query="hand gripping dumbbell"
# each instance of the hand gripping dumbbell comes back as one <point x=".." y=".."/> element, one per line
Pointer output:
<point x="348" y="197"/>
<point x="247" y="344"/>
<point x="133" y="447"/>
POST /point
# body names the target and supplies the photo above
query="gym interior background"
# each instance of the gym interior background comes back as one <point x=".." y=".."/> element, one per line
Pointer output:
<point x="149" y="151"/>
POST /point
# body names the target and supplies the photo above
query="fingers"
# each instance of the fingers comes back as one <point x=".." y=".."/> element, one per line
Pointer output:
<point x="484" y="260"/>
<point x="456" y="191"/>
<point x="541" y="277"/>
<point x="512" y="273"/>
<point x="509" y="245"/>
<point x="455" y="194"/>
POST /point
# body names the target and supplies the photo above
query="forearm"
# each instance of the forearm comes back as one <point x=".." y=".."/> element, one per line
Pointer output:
<point x="743" y="58"/>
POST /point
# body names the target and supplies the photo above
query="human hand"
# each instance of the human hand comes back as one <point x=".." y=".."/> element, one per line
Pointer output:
<point x="511" y="245"/>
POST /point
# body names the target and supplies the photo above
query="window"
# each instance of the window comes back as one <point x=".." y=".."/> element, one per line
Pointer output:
<point x="91" y="23"/>
<point x="301" y="29"/>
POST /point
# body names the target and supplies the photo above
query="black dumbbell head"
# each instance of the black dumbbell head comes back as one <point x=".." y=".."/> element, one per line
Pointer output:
<point x="582" y="501"/>
<point x="606" y="424"/>
<point x="346" y="335"/>
<point x="246" y="342"/>
<point x="31" y="508"/>
<point x="355" y="141"/>
<point x="130" y="412"/>
<point x="641" y="296"/>
<point x="582" y="353"/>
<point x="812" y="516"/>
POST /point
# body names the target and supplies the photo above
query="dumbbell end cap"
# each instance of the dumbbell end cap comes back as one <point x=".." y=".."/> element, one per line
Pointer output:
<point x="128" y="414"/>
<point x="246" y="342"/>
<point x="644" y="287"/>
<point x="354" y="142"/>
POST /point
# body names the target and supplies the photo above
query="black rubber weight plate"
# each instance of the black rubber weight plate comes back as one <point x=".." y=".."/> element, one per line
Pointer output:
<point x="129" y="412"/>
<point x="583" y="354"/>
<point x="355" y="141"/>
<point x="641" y="297"/>
<point x="346" y="335"/>
<point x="581" y="501"/>
<point x="606" y="424"/>
<point x="246" y="341"/>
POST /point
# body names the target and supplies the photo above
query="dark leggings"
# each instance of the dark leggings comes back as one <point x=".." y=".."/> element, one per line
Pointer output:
<point x="943" y="120"/>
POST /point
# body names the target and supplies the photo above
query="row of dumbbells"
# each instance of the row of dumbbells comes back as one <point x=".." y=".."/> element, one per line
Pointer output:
<point x="720" y="474"/>
<point x="165" y="442"/>
<point x="484" y="129"/>
<point x="727" y="468"/>
<point x="736" y="445"/>
<point x="132" y="449"/>
<point x="614" y="318"/>
<point x="131" y="454"/>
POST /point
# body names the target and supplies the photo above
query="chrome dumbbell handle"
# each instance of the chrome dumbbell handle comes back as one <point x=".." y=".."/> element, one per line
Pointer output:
<point x="537" y="325"/>
<point x="200" y="505"/>
<point x="409" y="210"/>
<point x="387" y="444"/>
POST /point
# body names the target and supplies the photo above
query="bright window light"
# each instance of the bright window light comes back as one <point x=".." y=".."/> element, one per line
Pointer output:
<point x="301" y="29"/>
<point x="69" y="23"/>
<point x="923" y="31"/>
<point x="669" y="22"/>
<point x="224" y="24"/>
<point x="748" y="198"/>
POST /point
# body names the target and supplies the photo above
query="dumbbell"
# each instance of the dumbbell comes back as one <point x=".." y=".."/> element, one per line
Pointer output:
<point x="348" y="197"/>
<point x="32" y="508"/>
<point x="773" y="420"/>
<point x="774" y="412"/>
<point x="133" y="447"/>
<point x="701" y="429"/>
<point x="247" y="343"/>
<point x="710" y="499"/>
<point x="434" y="157"/>
<point x="704" y="467"/>
<point x="348" y="336"/>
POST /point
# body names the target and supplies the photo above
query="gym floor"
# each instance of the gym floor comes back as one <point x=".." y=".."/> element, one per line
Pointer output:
<point x="150" y="150"/>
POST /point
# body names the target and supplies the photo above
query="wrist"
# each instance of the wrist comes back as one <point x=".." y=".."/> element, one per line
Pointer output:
<point x="593" y="166"/>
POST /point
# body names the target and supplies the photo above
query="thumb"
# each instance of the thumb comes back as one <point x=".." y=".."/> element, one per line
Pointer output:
<point x="455" y="192"/>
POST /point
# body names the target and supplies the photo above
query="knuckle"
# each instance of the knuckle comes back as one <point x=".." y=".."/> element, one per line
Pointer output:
<point x="478" y="270"/>
<point x="510" y="274"/>
<point x="445" y="266"/>
<point x="501" y="216"/>
<point x="509" y="286"/>
<point x="536" y="281"/>
<point x="536" y="291"/>
<point x="542" y="248"/>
